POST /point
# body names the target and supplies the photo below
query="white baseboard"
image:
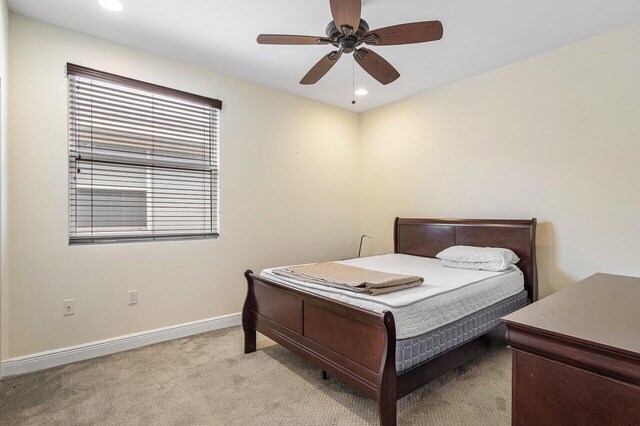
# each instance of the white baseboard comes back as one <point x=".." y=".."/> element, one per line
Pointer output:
<point x="56" y="357"/>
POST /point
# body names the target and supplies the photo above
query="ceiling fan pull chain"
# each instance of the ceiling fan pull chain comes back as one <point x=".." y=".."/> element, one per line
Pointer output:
<point x="353" y="80"/>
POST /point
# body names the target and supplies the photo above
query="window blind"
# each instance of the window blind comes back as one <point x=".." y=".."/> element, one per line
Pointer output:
<point x="143" y="160"/>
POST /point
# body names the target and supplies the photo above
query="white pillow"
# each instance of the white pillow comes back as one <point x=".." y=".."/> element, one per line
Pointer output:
<point x="484" y="258"/>
<point x="483" y="266"/>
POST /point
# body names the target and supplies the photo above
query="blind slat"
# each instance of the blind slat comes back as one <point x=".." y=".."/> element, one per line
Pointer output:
<point x="96" y="130"/>
<point x="97" y="102"/>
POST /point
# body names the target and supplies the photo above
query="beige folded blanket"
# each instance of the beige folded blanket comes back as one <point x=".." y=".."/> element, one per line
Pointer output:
<point x="359" y="280"/>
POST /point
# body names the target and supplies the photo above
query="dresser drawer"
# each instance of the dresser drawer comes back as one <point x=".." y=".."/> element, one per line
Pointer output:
<point x="546" y="392"/>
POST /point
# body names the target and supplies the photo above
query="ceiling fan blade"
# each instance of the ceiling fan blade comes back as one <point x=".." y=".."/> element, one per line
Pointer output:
<point x="321" y="68"/>
<point x="346" y="12"/>
<point x="415" y="32"/>
<point x="376" y="65"/>
<point x="291" y="39"/>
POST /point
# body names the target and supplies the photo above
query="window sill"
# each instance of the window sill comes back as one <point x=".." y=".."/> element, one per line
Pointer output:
<point x="79" y="241"/>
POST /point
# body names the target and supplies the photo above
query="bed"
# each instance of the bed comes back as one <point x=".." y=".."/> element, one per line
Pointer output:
<point x="385" y="346"/>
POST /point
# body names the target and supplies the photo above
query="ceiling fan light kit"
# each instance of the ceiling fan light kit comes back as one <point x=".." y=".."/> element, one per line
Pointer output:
<point x="348" y="31"/>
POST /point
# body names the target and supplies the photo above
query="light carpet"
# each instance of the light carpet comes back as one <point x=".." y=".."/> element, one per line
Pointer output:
<point x="207" y="380"/>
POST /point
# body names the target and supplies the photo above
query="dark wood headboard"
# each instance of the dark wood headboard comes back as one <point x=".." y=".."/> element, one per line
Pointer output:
<point x="427" y="237"/>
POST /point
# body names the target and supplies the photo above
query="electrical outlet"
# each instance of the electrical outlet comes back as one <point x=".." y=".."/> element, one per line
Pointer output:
<point x="68" y="307"/>
<point x="133" y="297"/>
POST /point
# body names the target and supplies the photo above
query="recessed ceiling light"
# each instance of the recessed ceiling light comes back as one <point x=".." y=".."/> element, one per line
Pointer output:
<point x="361" y="92"/>
<point x="112" y="5"/>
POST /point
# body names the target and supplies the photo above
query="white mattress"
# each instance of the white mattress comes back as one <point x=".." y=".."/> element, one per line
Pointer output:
<point x="446" y="295"/>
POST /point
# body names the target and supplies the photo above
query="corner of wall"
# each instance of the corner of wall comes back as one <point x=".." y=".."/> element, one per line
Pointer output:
<point x="4" y="301"/>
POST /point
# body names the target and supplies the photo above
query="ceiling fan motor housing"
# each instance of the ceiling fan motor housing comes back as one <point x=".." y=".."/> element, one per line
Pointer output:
<point x="347" y="43"/>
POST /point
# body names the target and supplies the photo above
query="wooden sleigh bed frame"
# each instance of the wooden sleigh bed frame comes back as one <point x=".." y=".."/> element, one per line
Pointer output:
<point x="357" y="346"/>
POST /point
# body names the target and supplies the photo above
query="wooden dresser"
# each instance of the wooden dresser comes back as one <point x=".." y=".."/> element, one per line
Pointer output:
<point x="576" y="355"/>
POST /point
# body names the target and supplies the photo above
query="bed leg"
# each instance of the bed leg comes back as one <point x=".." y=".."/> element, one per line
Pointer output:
<point x="249" y="331"/>
<point x="387" y="411"/>
<point x="387" y="398"/>
<point x="249" y="341"/>
<point x="388" y="386"/>
<point x="325" y="375"/>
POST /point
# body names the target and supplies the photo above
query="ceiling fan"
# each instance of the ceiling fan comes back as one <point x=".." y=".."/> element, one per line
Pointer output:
<point x="348" y="31"/>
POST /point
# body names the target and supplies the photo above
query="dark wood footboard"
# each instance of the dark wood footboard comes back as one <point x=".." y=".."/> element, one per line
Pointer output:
<point x="353" y="345"/>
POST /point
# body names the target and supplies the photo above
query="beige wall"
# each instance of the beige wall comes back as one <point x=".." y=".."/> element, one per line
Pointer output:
<point x="288" y="194"/>
<point x="555" y="137"/>
<point x="4" y="54"/>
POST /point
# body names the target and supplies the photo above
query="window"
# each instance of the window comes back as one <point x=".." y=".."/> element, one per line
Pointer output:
<point x="143" y="160"/>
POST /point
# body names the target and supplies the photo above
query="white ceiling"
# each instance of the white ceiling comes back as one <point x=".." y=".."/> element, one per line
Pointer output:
<point x="220" y="35"/>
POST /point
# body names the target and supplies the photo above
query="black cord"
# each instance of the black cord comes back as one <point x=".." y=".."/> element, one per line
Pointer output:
<point x="361" y="239"/>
